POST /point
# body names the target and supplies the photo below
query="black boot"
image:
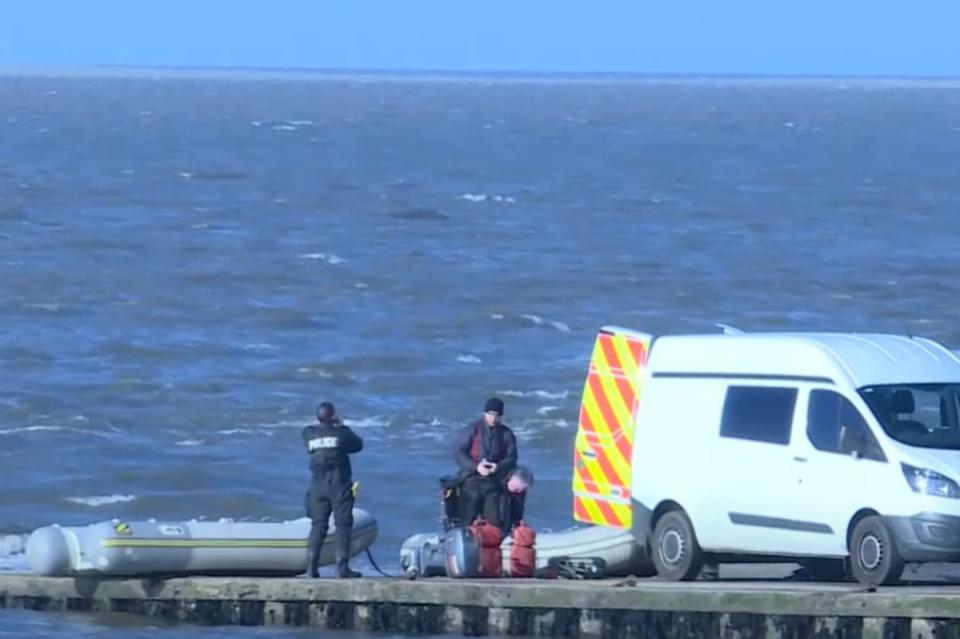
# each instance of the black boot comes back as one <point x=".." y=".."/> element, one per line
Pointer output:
<point x="313" y="564"/>
<point x="344" y="571"/>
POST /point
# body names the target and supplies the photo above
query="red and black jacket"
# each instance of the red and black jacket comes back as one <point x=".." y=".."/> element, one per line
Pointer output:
<point x="478" y="441"/>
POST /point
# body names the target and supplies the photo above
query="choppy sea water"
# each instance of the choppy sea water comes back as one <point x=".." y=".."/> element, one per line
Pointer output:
<point x="190" y="265"/>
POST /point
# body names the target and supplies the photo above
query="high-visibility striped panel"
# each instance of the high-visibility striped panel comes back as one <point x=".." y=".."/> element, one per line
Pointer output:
<point x="604" y="444"/>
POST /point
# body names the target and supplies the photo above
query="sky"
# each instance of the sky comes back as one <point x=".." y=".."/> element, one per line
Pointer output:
<point x="755" y="37"/>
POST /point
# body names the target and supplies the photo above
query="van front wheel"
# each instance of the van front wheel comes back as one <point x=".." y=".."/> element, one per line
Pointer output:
<point x="676" y="553"/>
<point x="874" y="557"/>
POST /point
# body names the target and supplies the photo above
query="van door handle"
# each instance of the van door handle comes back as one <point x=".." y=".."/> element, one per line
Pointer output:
<point x="802" y="460"/>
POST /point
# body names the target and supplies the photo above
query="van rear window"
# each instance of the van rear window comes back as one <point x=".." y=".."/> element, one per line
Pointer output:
<point x="758" y="413"/>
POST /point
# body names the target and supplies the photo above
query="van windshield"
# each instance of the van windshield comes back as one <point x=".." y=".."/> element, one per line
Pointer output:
<point x="922" y="415"/>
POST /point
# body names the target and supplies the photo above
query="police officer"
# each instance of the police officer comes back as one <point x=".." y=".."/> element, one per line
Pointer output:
<point x="330" y="444"/>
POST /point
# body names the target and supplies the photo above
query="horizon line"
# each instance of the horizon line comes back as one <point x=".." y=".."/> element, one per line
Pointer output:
<point x="79" y="70"/>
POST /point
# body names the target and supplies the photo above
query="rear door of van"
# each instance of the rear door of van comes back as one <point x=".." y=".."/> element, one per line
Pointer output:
<point x="604" y="443"/>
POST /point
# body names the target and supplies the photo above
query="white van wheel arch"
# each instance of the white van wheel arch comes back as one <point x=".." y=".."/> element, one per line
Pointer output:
<point x="856" y="519"/>
<point x="662" y="509"/>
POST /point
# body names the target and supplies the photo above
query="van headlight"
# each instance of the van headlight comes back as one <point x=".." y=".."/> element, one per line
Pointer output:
<point x="929" y="482"/>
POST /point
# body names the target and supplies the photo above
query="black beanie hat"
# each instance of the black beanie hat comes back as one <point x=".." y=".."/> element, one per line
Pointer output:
<point x="326" y="411"/>
<point x="494" y="405"/>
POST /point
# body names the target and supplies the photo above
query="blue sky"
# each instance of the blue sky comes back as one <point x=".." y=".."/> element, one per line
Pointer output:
<point x="811" y="37"/>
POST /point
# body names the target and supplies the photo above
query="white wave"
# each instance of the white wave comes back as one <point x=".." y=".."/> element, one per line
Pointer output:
<point x="300" y="122"/>
<point x="374" y="421"/>
<point x="256" y="123"/>
<point x="361" y="285"/>
<point x="496" y="316"/>
<point x="43" y="306"/>
<point x="484" y="197"/>
<point x="237" y="431"/>
<point x="12" y="545"/>
<point x="539" y="321"/>
<point x="541" y="394"/>
<point x="128" y="171"/>
<point x="292" y="423"/>
<point x="101" y="500"/>
<point x="546" y="410"/>
<point x="186" y="174"/>
<point x="260" y="346"/>
<point x="46" y="428"/>
<point x="469" y="359"/>
<point x="284" y="127"/>
<point x="319" y="372"/>
<point x="146" y="113"/>
<point x="329" y="258"/>
<point x="191" y="442"/>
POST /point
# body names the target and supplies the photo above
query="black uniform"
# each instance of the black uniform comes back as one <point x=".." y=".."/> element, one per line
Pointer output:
<point x="479" y="494"/>
<point x="329" y="444"/>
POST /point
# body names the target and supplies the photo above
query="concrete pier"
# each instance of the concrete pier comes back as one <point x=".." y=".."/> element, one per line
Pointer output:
<point x="615" y="609"/>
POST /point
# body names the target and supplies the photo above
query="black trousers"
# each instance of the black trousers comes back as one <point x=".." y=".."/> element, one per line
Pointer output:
<point x="481" y="496"/>
<point x="324" y="497"/>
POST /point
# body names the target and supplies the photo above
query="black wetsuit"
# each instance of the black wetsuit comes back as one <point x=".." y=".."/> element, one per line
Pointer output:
<point x="330" y="445"/>
<point x="481" y="495"/>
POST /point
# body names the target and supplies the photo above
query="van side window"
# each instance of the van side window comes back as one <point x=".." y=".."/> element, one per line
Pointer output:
<point x="758" y="413"/>
<point x="834" y="425"/>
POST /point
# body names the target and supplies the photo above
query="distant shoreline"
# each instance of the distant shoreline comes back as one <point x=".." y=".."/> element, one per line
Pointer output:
<point x="513" y="77"/>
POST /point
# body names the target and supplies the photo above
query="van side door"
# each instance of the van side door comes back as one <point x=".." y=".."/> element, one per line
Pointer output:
<point x="840" y="466"/>
<point x="754" y="490"/>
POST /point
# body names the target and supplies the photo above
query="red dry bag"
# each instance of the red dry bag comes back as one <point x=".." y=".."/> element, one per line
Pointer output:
<point x="488" y="538"/>
<point x="523" y="555"/>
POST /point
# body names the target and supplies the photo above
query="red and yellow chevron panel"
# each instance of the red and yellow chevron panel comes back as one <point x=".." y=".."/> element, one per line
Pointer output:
<point x="604" y="444"/>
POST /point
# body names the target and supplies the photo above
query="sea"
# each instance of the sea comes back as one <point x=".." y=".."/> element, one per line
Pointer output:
<point x="190" y="263"/>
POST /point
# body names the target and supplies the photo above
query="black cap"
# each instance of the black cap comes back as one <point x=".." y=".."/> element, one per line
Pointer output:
<point x="326" y="411"/>
<point x="494" y="405"/>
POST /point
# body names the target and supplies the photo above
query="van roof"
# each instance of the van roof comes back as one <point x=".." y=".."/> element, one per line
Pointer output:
<point x="852" y="358"/>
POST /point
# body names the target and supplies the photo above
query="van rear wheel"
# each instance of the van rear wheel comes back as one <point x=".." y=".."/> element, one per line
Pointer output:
<point x="875" y="559"/>
<point x="676" y="552"/>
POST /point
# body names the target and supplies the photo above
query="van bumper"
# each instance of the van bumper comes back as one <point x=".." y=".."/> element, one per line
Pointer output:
<point x="926" y="537"/>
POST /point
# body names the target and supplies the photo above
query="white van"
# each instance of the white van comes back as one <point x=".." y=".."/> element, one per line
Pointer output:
<point x="839" y="451"/>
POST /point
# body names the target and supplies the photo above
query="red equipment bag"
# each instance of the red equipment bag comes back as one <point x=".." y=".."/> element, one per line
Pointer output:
<point x="488" y="538"/>
<point x="523" y="554"/>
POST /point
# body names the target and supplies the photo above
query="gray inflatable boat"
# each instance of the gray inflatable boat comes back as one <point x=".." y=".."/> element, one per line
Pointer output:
<point x="121" y="548"/>
<point x="614" y="545"/>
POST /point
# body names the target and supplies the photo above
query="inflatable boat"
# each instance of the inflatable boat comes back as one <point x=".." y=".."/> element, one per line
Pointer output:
<point x="423" y="554"/>
<point x="121" y="548"/>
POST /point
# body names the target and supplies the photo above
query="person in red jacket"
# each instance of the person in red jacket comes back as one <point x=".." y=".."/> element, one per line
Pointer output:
<point x="486" y="453"/>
